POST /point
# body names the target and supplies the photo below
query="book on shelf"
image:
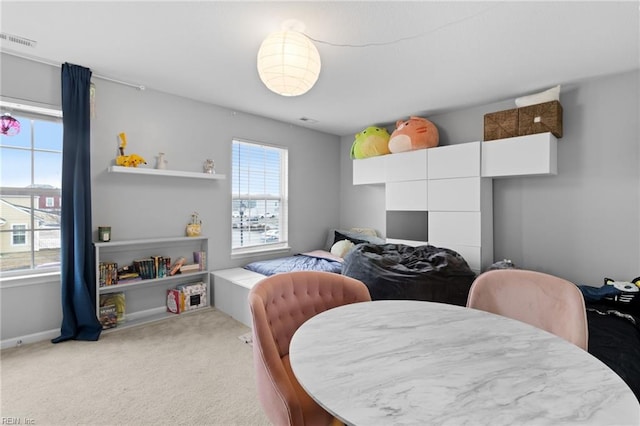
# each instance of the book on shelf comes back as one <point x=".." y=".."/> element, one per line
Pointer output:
<point x="175" y="301"/>
<point x="145" y="268"/>
<point x="128" y="276"/>
<point x="187" y="297"/>
<point x="108" y="273"/>
<point x="159" y="267"/>
<point x="194" y="295"/>
<point x="108" y="316"/>
<point x="175" y="268"/>
<point x="118" y="300"/>
<point x="191" y="267"/>
<point x="200" y="257"/>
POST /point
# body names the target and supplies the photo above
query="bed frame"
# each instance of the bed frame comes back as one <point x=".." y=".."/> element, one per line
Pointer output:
<point x="231" y="291"/>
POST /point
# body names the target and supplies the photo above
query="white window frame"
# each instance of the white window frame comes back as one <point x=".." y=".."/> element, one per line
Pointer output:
<point x="38" y="112"/>
<point x="282" y="199"/>
<point x="19" y="229"/>
<point x="50" y="202"/>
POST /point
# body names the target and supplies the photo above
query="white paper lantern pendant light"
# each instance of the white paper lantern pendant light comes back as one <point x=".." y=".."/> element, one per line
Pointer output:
<point x="288" y="62"/>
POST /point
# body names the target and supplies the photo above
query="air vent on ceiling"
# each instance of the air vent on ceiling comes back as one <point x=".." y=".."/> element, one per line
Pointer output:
<point x="18" y="40"/>
<point x="308" y="120"/>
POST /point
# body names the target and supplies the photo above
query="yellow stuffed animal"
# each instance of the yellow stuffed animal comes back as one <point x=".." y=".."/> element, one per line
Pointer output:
<point x="132" y="160"/>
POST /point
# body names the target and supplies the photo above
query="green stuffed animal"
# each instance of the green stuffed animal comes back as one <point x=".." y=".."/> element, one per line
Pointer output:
<point x="370" y="142"/>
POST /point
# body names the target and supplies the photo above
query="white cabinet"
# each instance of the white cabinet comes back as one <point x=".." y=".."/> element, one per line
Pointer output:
<point x="399" y="167"/>
<point x="368" y="171"/>
<point x="410" y="195"/>
<point x="461" y="194"/>
<point x="454" y="161"/>
<point x="405" y="166"/>
<point x="530" y="155"/>
<point x="462" y="228"/>
<point x="454" y="184"/>
<point x="146" y="299"/>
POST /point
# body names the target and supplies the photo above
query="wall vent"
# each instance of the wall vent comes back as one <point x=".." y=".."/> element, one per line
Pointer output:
<point x="18" y="40"/>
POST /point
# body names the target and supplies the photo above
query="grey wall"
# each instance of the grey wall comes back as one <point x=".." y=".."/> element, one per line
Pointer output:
<point x="582" y="224"/>
<point x="188" y="132"/>
<point x="146" y="206"/>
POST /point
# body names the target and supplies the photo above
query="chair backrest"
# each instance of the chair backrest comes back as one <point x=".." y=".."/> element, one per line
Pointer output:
<point x="542" y="300"/>
<point x="279" y="305"/>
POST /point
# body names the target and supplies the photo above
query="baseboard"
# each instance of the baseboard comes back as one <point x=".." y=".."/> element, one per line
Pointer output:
<point x="29" y="338"/>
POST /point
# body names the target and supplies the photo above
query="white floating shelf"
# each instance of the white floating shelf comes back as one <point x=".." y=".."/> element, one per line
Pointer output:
<point x="158" y="172"/>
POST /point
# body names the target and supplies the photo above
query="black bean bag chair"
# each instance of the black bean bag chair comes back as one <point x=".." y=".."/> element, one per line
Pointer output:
<point x="399" y="271"/>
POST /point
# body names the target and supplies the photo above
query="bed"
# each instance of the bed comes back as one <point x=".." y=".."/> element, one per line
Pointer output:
<point x="317" y="260"/>
<point x="390" y="271"/>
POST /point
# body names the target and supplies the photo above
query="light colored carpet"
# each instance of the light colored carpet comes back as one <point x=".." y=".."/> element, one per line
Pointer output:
<point x="188" y="370"/>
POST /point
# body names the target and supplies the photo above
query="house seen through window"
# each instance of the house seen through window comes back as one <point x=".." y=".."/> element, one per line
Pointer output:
<point x="259" y="197"/>
<point x="30" y="189"/>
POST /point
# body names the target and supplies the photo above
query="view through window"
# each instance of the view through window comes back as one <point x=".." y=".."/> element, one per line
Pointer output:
<point x="259" y="196"/>
<point x="30" y="191"/>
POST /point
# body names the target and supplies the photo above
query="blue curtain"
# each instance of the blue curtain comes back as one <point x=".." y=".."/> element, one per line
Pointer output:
<point x="79" y="320"/>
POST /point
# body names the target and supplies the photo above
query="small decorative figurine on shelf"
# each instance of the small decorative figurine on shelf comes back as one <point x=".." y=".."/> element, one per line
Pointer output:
<point x="161" y="163"/>
<point x="208" y="166"/>
<point x="131" y="160"/>
<point x="194" y="227"/>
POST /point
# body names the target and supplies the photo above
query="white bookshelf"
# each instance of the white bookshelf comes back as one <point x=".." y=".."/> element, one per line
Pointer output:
<point x="146" y="299"/>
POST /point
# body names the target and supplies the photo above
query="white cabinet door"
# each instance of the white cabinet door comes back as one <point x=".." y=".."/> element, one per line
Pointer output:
<point x="369" y="170"/>
<point x="453" y="161"/>
<point x="455" y="228"/>
<point x="529" y="155"/>
<point x="461" y="194"/>
<point x="410" y="195"/>
<point x="404" y="166"/>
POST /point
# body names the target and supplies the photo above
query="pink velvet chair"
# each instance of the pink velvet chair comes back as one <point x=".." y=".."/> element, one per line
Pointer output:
<point x="539" y="299"/>
<point x="279" y="305"/>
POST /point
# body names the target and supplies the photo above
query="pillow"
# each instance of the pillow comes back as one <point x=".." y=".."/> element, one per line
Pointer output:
<point x="365" y="231"/>
<point x="341" y="248"/>
<point x="365" y="237"/>
<point x="549" y="95"/>
<point x="341" y="237"/>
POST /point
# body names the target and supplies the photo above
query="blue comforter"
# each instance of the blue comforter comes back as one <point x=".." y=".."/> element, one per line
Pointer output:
<point x="298" y="262"/>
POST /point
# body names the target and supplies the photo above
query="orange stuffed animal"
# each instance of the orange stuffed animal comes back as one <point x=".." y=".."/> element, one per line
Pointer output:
<point x="414" y="133"/>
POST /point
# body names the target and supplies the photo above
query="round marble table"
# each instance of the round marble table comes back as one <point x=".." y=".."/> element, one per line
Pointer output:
<point x="421" y="363"/>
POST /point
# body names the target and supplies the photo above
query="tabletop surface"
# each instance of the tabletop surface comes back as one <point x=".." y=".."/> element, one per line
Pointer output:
<point x="413" y="363"/>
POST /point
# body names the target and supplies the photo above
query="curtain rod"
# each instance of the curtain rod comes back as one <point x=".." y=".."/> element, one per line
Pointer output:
<point x="48" y="62"/>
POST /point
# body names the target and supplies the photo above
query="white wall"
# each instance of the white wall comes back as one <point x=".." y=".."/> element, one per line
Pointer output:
<point x="582" y="224"/>
<point x="144" y="206"/>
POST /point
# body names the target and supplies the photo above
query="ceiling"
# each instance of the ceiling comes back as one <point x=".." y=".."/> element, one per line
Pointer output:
<point x="381" y="61"/>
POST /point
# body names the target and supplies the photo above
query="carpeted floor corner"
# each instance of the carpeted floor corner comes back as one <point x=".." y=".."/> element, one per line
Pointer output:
<point x="189" y="370"/>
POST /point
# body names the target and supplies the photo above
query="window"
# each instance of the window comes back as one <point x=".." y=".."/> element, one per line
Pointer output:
<point x="259" y="197"/>
<point x="19" y="234"/>
<point x="30" y="182"/>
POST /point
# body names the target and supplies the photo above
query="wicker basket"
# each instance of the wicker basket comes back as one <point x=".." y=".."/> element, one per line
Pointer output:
<point x="501" y="124"/>
<point x="540" y="118"/>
